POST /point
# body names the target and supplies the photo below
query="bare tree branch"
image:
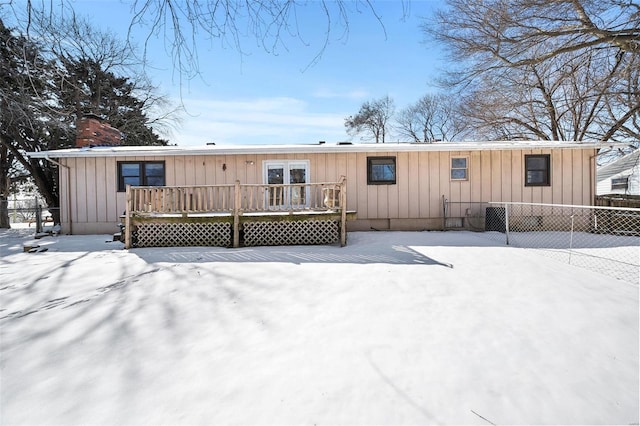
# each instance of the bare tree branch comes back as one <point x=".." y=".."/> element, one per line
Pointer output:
<point x="372" y="119"/>
<point x="561" y="70"/>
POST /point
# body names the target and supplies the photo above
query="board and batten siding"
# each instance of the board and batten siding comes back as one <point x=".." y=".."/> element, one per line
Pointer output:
<point x="414" y="202"/>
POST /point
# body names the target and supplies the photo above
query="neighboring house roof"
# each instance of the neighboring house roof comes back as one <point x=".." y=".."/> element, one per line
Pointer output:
<point x="315" y="148"/>
<point x="613" y="168"/>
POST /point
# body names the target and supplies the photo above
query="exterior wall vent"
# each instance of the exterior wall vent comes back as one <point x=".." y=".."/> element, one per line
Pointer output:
<point x="453" y="222"/>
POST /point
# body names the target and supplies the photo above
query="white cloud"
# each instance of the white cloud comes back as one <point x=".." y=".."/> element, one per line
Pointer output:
<point x="353" y="94"/>
<point x="262" y="120"/>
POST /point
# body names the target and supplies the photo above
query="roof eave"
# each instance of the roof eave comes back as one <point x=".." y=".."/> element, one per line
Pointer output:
<point x="309" y="149"/>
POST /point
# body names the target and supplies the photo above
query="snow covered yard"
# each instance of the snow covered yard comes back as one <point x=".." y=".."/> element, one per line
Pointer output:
<point x="395" y="328"/>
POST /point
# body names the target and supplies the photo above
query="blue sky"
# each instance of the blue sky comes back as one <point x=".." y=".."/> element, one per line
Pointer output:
<point x="266" y="98"/>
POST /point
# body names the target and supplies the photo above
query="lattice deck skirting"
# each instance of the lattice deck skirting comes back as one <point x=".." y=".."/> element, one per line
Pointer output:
<point x="263" y="233"/>
<point x="219" y="234"/>
<point x="150" y="234"/>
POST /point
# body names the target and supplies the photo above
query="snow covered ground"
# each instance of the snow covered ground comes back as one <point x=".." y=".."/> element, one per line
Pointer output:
<point x="615" y="255"/>
<point x="395" y="328"/>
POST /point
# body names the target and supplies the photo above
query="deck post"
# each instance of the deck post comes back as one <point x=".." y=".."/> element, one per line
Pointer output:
<point x="236" y="214"/>
<point x="343" y="211"/>
<point x="127" y="219"/>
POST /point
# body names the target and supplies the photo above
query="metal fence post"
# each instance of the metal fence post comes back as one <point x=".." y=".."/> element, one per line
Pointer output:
<point x="38" y="218"/>
<point x="237" y="200"/>
<point x="15" y="208"/>
<point x="571" y="237"/>
<point x="506" y="222"/>
<point x="444" y="213"/>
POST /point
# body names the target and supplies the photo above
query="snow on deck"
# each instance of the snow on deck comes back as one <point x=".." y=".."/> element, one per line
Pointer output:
<point x="394" y="328"/>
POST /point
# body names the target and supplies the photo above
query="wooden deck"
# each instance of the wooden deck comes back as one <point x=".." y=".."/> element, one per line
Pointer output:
<point x="235" y="215"/>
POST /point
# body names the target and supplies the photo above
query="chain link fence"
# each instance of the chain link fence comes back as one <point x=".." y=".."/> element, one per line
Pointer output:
<point x="602" y="239"/>
<point x="29" y="212"/>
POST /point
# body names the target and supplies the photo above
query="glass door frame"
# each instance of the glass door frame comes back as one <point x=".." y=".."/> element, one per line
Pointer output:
<point x="287" y="166"/>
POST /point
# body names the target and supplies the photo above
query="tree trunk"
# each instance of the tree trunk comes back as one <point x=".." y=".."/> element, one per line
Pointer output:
<point x="5" y="223"/>
<point x="4" y="188"/>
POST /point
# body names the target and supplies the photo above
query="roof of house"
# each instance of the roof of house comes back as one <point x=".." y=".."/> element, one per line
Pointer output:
<point x="148" y="151"/>
<point x="626" y="162"/>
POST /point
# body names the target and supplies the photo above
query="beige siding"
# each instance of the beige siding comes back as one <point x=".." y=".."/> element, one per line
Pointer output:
<point x="359" y="199"/>
<point x="415" y="201"/>
<point x="432" y="165"/>
<point x="403" y="185"/>
<point x="517" y="176"/>
<point x="556" y="177"/>
<point x="65" y="179"/>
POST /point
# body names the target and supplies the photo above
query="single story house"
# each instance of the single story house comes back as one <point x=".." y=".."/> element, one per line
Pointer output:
<point x="621" y="176"/>
<point x="390" y="186"/>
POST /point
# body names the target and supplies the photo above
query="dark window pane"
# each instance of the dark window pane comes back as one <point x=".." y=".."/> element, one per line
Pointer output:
<point x="155" y="181"/>
<point x="537" y="163"/>
<point x="535" y="176"/>
<point x="383" y="172"/>
<point x="458" y="173"/>
<point x="130" y="169"/>
<point x="154" y="169"/>
<point x="275" y="176"/>
<point x="154" y="174"/>
<point x="297" y="176"/>
<point x="459" y="163"/>
<point x="131" y="180"/>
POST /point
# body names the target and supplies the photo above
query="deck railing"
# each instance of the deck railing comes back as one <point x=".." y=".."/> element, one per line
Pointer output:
<point x="227" y="198"/>
<point x="181" y="199"/>
<point x="236" y="199"/>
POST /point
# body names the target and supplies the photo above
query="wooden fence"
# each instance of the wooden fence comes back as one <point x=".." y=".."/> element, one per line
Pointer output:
<point x="618" y="200"/>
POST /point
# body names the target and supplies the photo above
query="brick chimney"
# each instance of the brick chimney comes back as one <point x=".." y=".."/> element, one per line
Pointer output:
<point x="91" y="130"/>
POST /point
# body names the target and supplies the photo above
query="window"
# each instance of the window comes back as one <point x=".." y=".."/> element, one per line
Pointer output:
<point x="381" y="170"/>
<point x="140" y="173"/>
<point x="537" y="170"/>
<point x="620" y="183"/>
<point x="459" y="169"/>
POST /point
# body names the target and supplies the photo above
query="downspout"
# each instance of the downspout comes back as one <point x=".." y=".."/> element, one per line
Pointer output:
<point x="52" y="161"/>
<point x="593" y="171"/>
<point x="592" y="177"/>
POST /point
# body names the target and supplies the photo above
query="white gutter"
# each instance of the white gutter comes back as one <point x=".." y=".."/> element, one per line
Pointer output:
<point x="154" y="151"/>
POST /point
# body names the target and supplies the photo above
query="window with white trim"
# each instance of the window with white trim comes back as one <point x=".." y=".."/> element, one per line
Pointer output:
<point x="620" y="183"/>
<point x="459" y="168"/>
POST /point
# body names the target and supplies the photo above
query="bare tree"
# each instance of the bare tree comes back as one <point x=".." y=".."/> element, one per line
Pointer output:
<point x="577" y="99"/>
<point x="372" y="119"/>
<point x="45" y="87"/>
<point x="497" y="33"/>
<point x="431" y="118"/>
<point x="73" y="41"/>
<point x="565" y="69"/>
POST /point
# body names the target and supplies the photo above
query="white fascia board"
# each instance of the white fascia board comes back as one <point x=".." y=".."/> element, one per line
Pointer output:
<point x="155" y="151"/>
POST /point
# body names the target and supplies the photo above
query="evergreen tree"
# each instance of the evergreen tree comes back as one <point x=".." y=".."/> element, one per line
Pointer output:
<point x="42" y="94"/>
